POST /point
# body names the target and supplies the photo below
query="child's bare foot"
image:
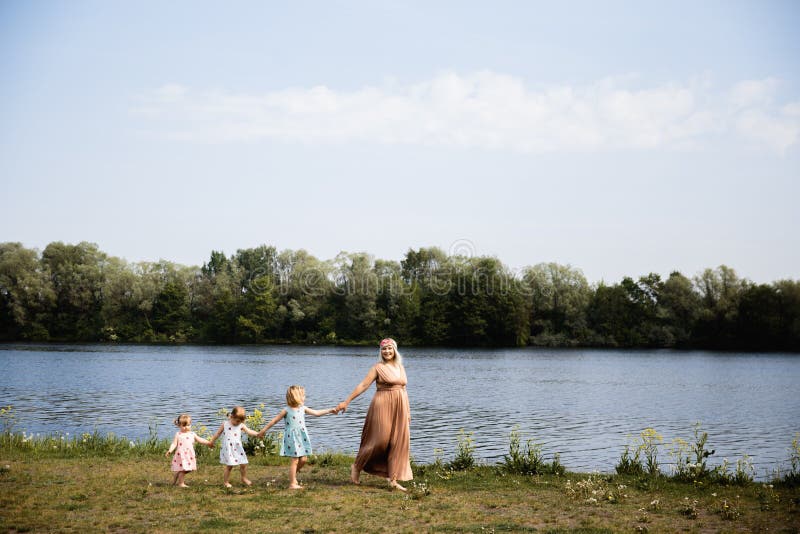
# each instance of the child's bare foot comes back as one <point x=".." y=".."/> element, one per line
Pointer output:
<point x="295" y="486"/>
<point x="394" y="485"/>
<point x="247" y="482"/>
<point x="354" y="475"/>
<point x="182" y="486"/>
<point x="228" y="485"/>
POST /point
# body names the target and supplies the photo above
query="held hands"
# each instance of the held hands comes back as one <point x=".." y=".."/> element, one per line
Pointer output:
<point x="341" y="407"/>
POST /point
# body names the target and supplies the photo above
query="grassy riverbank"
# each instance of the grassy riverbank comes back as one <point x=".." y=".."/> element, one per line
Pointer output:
<point x="83" y="492"/>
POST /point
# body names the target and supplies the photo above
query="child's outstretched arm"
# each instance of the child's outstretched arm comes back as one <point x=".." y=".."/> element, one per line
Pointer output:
<point x="204" y="441"/>
<point x="271" y="423"/>
<point x="321" y="412"/>
<point x="249" y="431"/>
<point x="217" y="434"/>
<point x="173" y="445"/>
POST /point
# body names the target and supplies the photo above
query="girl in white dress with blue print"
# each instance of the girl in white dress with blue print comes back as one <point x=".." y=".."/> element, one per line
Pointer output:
<point x="295" y="444"/>
<point x="231" y="452"/>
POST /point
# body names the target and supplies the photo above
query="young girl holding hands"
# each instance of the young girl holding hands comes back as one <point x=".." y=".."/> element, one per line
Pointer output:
<point x="231" y="452"/>
<point x="295" y="437"/>
<point x="184" y="460"/>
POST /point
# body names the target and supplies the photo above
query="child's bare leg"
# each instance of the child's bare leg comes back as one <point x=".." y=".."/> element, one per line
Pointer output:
<point x="180" y="482"/>
<point x="175" y="478"/>
<point x="243" y="471"/>
<point x="293" y="474"/>
<point x="226" y="476"/>
<point x="301" y="462"/>
<point x="354" y="474"/>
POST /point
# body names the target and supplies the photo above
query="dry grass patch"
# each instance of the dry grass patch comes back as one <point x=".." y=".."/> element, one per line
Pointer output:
<point x="135" y="494"/>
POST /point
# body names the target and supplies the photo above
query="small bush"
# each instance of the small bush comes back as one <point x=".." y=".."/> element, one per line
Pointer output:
<point x="792" y="478"/>
<point x="596" y="489"/>
<point x="689" y="508"/>
<point x="630" y="462"/>
<point x="687" y="468"/>
<point x="529" y="461"/>
<point x="465" y="450"/>
<point x="742" y="475"/>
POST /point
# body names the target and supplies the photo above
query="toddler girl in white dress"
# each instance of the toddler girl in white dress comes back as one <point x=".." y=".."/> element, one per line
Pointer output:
<point x="231" y="452"/>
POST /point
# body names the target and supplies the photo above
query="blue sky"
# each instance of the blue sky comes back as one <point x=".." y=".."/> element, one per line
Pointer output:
<point x="618" y="137"/>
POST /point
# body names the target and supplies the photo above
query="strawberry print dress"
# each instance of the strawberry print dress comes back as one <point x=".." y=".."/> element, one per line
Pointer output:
<point x="232" y="452"/>
<point x="295" y="437"/>
<point x="184" y="458"/>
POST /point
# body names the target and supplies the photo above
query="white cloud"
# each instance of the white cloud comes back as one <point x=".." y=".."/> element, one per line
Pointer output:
<point x="749" y="93"/>
<point x="484" y="110"/>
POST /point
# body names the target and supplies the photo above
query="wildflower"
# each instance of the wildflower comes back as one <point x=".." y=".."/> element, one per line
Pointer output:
<point x="713" y="494"/>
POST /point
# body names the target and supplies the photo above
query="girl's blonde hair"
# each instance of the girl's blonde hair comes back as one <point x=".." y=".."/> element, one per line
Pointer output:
<point x="238" y="415"/>
<point x="294" y="396"/>
<point x="397" y="356"/>
<point x="183" y="420"/>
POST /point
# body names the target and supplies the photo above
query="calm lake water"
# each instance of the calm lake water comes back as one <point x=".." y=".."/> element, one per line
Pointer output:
<point x="584" y="404"/>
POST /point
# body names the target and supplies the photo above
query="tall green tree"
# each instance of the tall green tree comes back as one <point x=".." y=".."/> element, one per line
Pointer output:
<point x="681" y="305"/>
<point x="258" y="319"/>
<point x="77" y="275"/>
<point x="397" y="302"/>
<point x="215" y="299"/>
<point x="356" y="295"/>
<point x="486" y="305"/>
<point x="305" y="311"/>
<point x="720" y="290"/>
<point x="558" y="296"/>
<point x="27" y="297"/>
<point x="758" y="319"/>
<point x="428" y="277"/>
<point x="789" y="310"/>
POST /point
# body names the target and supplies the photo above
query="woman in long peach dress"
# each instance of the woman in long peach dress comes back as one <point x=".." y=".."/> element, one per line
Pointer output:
<point x="386" y="438"/>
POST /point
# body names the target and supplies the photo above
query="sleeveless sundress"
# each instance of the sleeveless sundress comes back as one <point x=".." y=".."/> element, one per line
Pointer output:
<point x="295" y="437"/>
<point x="184" y="458"/>
<point x="232" y="451"/>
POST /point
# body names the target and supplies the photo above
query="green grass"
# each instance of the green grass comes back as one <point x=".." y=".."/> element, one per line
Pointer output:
<point x="106" y="484"/>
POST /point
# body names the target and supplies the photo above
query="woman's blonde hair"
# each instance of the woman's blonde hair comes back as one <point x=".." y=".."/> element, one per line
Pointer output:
<point x="238" y="415"/>
<point x="397" y="356"/>
<point x="294" y="396"/>
<point x="183" y="420"/>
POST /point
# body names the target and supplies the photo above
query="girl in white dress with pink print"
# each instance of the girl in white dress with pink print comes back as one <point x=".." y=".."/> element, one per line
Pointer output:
<point x="184" y="460"/>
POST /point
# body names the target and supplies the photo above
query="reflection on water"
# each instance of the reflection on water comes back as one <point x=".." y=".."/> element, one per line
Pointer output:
<point x="584" y="404"/>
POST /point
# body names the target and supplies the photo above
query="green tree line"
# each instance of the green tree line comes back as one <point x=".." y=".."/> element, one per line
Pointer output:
<point x="258" y="295"/>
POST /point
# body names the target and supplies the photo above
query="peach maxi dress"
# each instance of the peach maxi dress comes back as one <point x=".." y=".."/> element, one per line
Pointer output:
<point x="386" y="437"/>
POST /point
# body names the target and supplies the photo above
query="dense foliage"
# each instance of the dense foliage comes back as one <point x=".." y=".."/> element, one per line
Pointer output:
<point x="78" y="293"/>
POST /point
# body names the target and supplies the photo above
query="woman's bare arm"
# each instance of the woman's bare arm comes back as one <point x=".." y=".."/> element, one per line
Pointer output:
<point x="372" y="375"/>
